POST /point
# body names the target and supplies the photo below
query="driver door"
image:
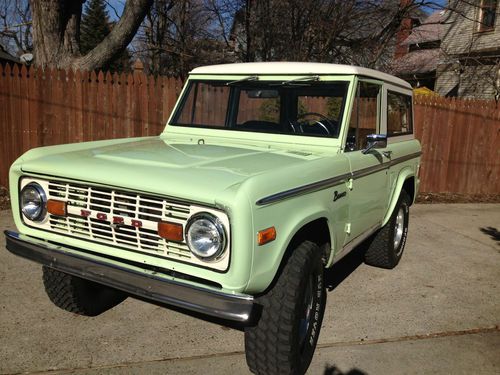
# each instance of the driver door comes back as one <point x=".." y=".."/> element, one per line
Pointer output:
<point x="368" y="186"/>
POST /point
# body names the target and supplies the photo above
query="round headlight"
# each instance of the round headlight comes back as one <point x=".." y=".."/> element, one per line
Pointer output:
<point x="205" y="236"/>
<point x="33" y="202"/>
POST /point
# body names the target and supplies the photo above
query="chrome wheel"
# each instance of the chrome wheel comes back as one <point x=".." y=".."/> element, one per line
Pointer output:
<point x="305" y="320"/>
<point x="398" y="230"/>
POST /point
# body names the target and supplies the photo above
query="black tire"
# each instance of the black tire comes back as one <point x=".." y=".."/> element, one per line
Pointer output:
<point x="78" y="295"/>
<point x="383" y="249"/>
<point x="283" y="340"/>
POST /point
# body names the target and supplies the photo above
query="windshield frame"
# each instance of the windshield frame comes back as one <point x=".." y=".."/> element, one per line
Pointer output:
<point x="298" y="138"/>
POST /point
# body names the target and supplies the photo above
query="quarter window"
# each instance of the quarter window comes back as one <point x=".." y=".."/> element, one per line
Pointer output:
<point x="399" y="119"/>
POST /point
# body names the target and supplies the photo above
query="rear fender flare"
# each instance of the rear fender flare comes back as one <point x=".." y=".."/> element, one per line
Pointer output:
<point x="404" y="175"/>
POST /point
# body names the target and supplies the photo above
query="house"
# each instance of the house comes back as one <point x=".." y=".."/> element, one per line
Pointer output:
<point x="469" y="64"/>
<point x="417" y="56"/>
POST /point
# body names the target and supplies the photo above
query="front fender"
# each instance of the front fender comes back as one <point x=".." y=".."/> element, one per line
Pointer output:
<point x="288" y="217"/>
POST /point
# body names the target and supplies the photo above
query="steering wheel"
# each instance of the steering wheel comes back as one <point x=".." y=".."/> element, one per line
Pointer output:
<point x="323" y="118"/>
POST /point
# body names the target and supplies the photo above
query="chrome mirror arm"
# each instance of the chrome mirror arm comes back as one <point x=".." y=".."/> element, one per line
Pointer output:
<point x="375" y="141"/>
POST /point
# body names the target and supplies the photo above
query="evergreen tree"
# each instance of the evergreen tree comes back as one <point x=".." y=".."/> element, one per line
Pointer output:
<point x="95" y="26"/>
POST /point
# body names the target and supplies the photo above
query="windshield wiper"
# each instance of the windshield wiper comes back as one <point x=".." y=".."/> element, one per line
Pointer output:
<point x="301" y="79"/>
<point x="246" y="79"/>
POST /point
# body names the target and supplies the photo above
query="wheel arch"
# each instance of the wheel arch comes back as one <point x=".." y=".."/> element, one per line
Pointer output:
<point x="406" y="181"/>
<point x="317" y="231"/>
<point x="313" y="229"/>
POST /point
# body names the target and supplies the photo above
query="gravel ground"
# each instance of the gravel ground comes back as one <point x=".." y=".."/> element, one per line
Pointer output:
<point x="457" y="198"/>
<point x="438" y="312"/>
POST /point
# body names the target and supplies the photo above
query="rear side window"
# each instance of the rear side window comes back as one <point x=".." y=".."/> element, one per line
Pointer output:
<point x="399" y="118"/>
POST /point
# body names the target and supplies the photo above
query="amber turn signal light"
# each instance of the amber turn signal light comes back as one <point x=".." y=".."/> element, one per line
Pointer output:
<point x="170" y="231"/>
<point x="55" y="207"/>
<point x="266" y="235"/>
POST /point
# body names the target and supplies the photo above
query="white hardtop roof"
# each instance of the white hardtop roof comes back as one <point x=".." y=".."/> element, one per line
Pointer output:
<point x="296" y="68"/>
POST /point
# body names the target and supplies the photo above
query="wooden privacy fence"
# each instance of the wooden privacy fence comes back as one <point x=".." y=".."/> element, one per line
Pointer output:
<point x="460" y="143"/>
<point x="460" y="138"/>
<point x="47" y="107"/>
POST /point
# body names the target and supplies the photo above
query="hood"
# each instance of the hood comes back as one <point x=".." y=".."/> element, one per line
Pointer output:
<point x="197" y="172"/>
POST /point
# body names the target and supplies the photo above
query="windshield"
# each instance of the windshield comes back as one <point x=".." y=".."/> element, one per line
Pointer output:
<point x="294" y="107"/>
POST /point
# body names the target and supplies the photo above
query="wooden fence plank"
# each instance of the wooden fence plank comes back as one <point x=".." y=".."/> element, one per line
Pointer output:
<point x="109" y="105"/>
<point x="5" y="125"/>
<point x="78" y="109"/>
<point x="11" y="113"/>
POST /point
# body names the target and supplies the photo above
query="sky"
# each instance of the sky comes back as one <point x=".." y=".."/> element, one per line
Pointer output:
<point x="115" y="7"/>
<point x="431" y="9"/>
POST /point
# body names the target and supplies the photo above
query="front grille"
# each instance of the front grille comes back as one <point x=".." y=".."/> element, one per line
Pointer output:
<point x="148" y="209"/>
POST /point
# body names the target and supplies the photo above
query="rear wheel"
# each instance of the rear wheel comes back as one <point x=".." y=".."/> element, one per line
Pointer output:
<point x="78" y="295"/>
<point x="386" y="247"/>
<point x="285" y="337"/>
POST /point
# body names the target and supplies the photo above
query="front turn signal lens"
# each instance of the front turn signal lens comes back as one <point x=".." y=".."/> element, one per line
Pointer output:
<point x="266" y="235"/>
<point x="170" y="231"/>
<point x="55" y="207"/>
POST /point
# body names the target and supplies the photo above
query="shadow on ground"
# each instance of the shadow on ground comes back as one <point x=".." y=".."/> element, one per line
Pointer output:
<point x="333" y="370"/>
<point x="341" y="270"/>
<point x="492" y="232"/>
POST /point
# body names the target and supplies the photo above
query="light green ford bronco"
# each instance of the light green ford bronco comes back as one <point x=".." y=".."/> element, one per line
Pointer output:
<point x="265" y="175"/>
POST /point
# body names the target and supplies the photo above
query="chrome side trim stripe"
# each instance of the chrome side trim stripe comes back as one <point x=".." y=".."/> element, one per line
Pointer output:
<point x="304" y="189"/>
<point x="405" y="158"/>
<point x="377" y="168"/>
<point x="367" y="171"/>
<point x="333" y="181"/>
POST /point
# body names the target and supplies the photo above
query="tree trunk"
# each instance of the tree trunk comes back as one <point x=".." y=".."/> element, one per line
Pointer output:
<point x="56" y="31"/>
<point x="56" y="34"/>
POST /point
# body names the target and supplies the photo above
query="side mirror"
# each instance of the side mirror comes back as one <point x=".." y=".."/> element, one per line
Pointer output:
<point x="374" y="141"/>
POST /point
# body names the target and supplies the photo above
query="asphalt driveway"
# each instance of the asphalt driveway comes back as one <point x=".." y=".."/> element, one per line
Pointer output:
<point x="438" y="312"/>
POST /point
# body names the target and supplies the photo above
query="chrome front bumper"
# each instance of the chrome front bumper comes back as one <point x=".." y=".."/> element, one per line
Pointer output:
<point x="235" y="307"/>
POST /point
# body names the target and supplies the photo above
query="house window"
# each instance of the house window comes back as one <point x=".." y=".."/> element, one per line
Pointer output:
<point x="487" y="15"/>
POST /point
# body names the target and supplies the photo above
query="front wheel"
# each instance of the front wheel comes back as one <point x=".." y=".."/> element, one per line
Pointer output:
<point x="285" y="337"/>
<point x="77" y="295"/>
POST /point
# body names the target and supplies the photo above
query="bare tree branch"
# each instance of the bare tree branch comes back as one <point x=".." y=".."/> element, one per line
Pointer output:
<point x="118" y="38"/>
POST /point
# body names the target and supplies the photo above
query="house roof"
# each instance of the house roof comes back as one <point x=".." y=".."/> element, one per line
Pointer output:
<point x="420" y="61"/>
<point x="296" y="68"/>
<point x="431" y="30"/>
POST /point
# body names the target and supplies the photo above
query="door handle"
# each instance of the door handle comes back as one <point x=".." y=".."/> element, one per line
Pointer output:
<point x="387" y="154"/>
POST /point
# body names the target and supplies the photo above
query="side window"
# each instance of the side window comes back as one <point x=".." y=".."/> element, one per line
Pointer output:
<point x="399" y="119"/>
<point x="365" y="116"/>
